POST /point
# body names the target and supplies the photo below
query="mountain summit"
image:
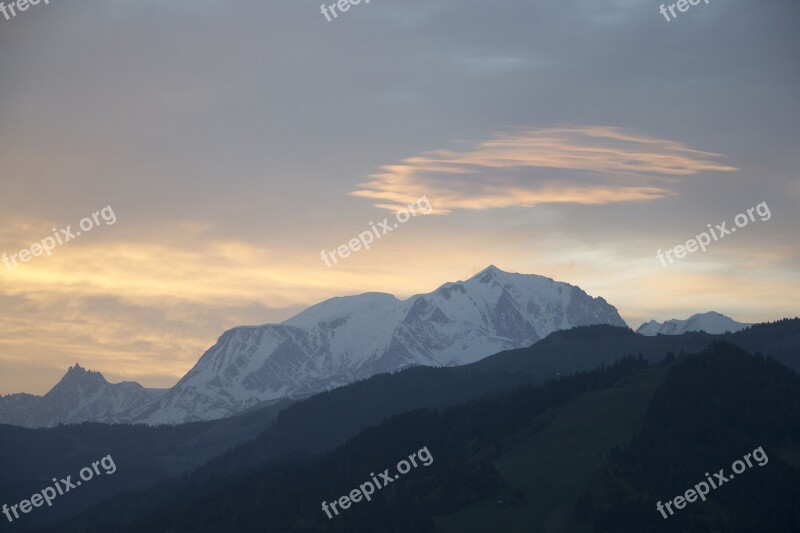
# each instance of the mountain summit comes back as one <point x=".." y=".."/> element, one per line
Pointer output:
<point x="81" y="395"/>
<point x="711" y="322"/>
<point x="345" y="339"/>
<point x="330" y="344"/>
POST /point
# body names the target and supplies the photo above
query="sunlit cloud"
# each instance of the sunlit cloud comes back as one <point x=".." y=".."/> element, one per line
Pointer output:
<point x="525" y="167"/>
<point x="750" y="283"/>
<point x="223" y="212"/>
<point x="146" y="308"/>
<point x="128" y="307"/>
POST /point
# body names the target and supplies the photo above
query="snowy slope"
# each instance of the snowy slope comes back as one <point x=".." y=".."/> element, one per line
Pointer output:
<point x="345" y="339"/>
<point x="711" y="322"/>
<point x="80" y="396"/>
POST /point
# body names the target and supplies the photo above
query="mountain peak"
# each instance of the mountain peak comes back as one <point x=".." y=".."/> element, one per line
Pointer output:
<point x="77" y="376"/>
<point x="349" y="338"/>
<point x="341" y="307"/>
<point x="710" y="322"/>
<point x="491" y="270"/>
<point x="81" y="395"/>
<point x="77" y="369"/>
<point x="488" y="274"/>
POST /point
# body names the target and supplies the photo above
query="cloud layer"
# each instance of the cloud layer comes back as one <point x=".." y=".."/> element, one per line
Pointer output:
<point x="528" y="166"/>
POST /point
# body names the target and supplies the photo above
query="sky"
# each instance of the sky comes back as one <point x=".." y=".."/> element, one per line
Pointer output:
<point x="235" y="141"/>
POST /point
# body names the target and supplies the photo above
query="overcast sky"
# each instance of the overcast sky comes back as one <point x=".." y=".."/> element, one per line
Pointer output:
<point x="236" y="140"/>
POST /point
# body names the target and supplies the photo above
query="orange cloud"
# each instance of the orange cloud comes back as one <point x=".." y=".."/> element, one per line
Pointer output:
<point x="147" y="308"/>
<point x="525" y="167"/>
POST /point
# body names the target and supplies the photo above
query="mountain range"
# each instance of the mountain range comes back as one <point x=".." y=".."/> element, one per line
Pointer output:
<point x="229" y="491"/>
<point x="711" y="322"/>
<point x="346" y="339"/>
<point x="333" y="343"/>
<point x="81" y="395"/>
<point x="339" y="341"/>
<point x="299" y="411"/>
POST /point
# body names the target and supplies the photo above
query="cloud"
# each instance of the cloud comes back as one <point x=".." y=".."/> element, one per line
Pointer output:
<point x="143" y="303"/>
<point x="131" y="308"/>
<point x="525" y="167"/>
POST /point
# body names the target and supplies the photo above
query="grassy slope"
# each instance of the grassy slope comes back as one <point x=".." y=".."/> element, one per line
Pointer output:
<point x="554" y="465"/>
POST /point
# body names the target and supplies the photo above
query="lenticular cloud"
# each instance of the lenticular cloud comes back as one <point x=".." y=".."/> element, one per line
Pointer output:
<point x="525" y="167"/>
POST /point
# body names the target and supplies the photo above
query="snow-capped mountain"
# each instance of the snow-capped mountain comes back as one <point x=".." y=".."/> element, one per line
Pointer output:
<point x="345" y="339"/>
<point x="711" y="322"/>
<point x="80" y="396"/>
